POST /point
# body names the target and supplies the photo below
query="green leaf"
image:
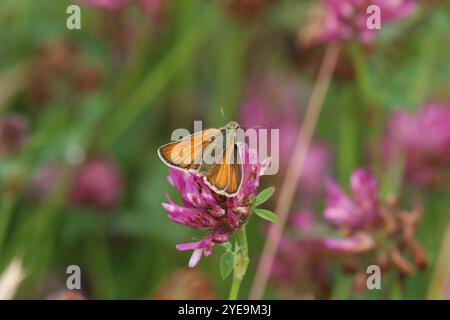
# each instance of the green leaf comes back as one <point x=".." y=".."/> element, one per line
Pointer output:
<point x="227" y="246"/>
<point x="266" y="215"/>
<point x="264" y="195"/>
<point x="226" y="264"/>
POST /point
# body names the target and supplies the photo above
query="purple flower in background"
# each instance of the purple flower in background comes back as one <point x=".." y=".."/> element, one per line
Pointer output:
<point x="299" y="271"/>
<point x="97" y="183"/>
<point x="371" y="227"/>
<point x="360" y="242"/>
<point x="45" y="180"/>
<point x="315" y="169"/>
<point x="106" y="4"/>
<point x="13" y="133"/>
<point x="205" y="210"/>
<point x="347" y="19"/>
<point x="55" y="64"/>
<point x="423" y="139"/>
<point x="356" y="212"/>
<point x="303" y="220"/>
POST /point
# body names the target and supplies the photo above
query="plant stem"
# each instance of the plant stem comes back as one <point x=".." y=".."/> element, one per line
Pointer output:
<point x="242" y="236"/>
<point x="363" y="81"/>
<point x="294" y="171"/>
<point x="235" y="286"/>
<point x="240" y="263"/>
<point x="5" y="216"/>
<point x="441" y="272"/>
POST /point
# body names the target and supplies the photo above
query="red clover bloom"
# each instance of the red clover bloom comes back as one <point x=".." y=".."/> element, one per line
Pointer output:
<point x="97" y="183"/>
<point x="369" y="226"/>
<point x="345" y="20"/>
<point x="205" y="210"/>
<point x="13" y="133"/>
<point x="423" y="140"/>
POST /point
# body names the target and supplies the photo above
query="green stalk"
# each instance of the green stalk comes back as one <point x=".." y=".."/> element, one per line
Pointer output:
<point x="98" y="261"/>
<point x="5" y="216"/>
<point x="240" y="263"/>
<point x="363" y="80"/>
<point x="428" y="51"/>
<point x="348" y="140"/>
<point x="235" y="286"/>
<point x="441" y="273"/>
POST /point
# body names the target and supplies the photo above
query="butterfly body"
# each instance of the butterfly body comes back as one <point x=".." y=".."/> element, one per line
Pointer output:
<point x="212" y="154"/>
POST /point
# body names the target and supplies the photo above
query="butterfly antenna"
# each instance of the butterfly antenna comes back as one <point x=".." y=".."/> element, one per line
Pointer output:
<point x="223" y="114"/>
<point x="258" y="126"/>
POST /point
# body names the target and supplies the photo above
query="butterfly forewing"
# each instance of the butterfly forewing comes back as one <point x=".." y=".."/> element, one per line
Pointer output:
<point x="187" y="153"/>
<point x="212" y="154"/>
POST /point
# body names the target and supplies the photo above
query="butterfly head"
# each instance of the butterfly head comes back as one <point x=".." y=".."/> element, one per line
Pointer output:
<point x="233" y="125"/>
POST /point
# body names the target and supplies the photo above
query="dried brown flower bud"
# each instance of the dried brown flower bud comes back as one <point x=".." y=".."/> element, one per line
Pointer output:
<point x="350" y="264"/>
<point x="389" y="221"/>
<point x="419" y="255"/>
<point x="382" y="260"/>
<point x="359" y="284"/>
<point x="408" y="221"/>
<point x="402" y="265"/>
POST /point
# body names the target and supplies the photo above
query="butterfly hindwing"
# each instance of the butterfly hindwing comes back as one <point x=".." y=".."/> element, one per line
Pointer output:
<point x="226" y="177"/>
<point x="235" y="179"/>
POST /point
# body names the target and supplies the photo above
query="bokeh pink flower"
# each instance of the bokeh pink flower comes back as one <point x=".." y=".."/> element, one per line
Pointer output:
<point x="151" y="7"/>
<point x="356" y="212"/>
<point x="423" y="140"/>
<point x="45" y="180"/>
<point x="379" y="231"/>
<point x="13" y="133"/>
<point x="300" y="269"/>
<point x="97" y="183"/>
<point x="106" y="4"/>
<point x="205" y="210"/>
<point x="347" y="19"/>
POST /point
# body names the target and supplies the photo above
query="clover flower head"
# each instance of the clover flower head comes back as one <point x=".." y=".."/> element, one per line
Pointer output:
<point x="97" y="183"/>
<point x="371" y="227"/>
<point x="13" y="133"/>
<point x="423" y="140"/>
<point x="203" y="209"/>
<point x="344" y="20"/>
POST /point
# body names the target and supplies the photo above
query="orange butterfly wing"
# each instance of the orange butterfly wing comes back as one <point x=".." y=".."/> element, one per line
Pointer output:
<point x="226" y="177"/>
<point x="235" y="180"/>
<point x="187" y="153"/>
